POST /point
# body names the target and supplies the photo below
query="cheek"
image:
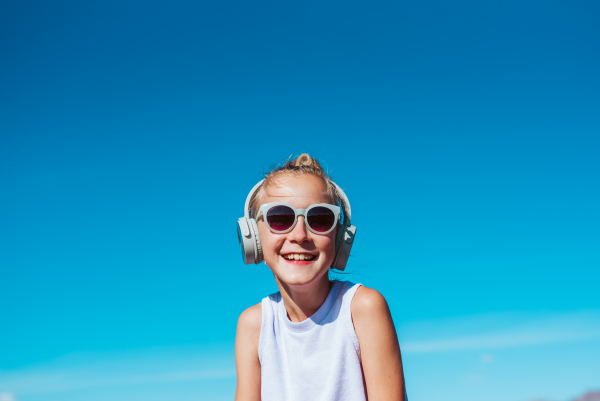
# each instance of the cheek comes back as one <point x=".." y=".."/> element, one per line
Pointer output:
<point x="326" y="244"/>
<point x="269" y="242"/>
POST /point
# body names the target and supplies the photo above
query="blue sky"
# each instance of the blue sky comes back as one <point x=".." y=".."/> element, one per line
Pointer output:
<point x="465" y="134"/>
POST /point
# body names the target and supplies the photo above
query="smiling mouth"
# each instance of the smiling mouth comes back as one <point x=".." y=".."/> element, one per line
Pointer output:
<point x="299" y="256"/>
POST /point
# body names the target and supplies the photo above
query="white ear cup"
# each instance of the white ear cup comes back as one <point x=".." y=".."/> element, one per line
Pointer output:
<point x="245" y="240"/>
<point x="343" y="246"/>
<point x="258" y="254"/>
<point x="249" y="241"/>
<point x="345" y="234"/>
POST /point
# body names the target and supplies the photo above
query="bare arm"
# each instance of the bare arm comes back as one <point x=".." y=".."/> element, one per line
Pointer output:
<point x="380" y="351"/>
<point x="246" y="354"/>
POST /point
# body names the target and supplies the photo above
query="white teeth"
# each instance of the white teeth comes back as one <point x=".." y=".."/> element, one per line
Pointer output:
<point x="298" y="256"/>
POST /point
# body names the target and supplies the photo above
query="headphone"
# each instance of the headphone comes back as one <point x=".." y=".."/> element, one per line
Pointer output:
<point x="249" y="239"/>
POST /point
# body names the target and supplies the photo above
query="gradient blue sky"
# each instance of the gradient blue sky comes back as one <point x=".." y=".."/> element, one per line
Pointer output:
<point x="465" y="133"/>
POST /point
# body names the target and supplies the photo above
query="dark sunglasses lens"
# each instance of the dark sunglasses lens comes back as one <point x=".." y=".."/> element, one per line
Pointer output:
<point x="320" y="219"/>
<point x="280" y="218"/>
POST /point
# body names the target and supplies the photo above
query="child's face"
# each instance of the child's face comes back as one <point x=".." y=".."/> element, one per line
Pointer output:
<point x="299" y="191"/>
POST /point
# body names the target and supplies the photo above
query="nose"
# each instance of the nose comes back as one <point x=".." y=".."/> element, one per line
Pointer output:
<point x="300" y="233"/>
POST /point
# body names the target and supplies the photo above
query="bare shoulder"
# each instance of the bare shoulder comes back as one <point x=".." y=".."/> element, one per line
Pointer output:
<point x="247" y="362"/>
<point x="368" y="303"/>
<point x="371" y="315"/>
<point x="248" y="334"/>
<point x="250" y="320"/>
<point x="380" y="351"/>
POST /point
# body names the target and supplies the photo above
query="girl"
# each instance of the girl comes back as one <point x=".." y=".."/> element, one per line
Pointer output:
<point x="315" y="339"/>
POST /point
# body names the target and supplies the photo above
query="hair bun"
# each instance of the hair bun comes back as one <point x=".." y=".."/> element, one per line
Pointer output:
<point x="303" y="164"/>
<point x="305" y="160"/>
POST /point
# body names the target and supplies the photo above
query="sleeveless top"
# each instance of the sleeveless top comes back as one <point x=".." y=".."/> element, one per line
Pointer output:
<point x="317" y="359"/>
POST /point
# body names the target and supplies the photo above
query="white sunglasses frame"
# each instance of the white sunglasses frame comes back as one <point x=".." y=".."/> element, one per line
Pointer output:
<point x="264" y="208"/>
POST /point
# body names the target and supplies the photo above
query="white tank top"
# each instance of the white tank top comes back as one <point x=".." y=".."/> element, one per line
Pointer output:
<point x="317" y="359"/>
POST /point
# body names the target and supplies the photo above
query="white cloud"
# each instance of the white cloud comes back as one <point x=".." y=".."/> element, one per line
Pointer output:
<point x="545" y="330"/>
<point x="487" y="358"/>
<point x="67" y="380"/>
<point x="474" y="378"/>
<point x="139" y="368"/>
<point x="7" y="397"/>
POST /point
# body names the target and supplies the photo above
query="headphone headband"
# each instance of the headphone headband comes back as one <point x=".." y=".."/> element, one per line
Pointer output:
<point x="249" y="197"/>
<point x="339" y="192"/>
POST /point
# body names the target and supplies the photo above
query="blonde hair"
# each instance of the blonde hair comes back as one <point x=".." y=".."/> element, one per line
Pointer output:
<point x="303" y="164"/>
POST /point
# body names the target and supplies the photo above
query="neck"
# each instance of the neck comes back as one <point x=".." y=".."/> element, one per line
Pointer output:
<point x="301" y="302"/>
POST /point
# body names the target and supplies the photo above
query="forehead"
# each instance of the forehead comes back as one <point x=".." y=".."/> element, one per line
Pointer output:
<point x="300" y="191"/>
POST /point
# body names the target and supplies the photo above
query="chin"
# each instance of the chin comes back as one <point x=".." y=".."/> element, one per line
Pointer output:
<point x="299" y="275"/>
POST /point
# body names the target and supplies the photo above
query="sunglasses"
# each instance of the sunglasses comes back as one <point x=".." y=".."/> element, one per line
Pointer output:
<point x="281" y="218"/>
